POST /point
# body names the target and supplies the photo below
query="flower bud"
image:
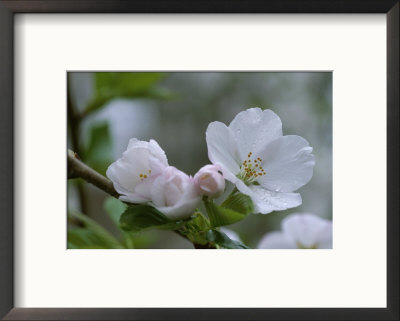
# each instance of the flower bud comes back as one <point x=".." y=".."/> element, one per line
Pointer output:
<point x="209" y="181"/>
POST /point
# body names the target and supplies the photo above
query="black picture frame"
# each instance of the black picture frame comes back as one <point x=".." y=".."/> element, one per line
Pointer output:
<point x="7" y="11"/>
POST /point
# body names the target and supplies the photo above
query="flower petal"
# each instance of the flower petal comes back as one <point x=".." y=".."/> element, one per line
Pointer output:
<point x="288" y="164"/>
<point x="140" y="193"/>
<point x="308" y="230"/>
<point x="124" y="173"/>
<point x="276" y="240"/>
<point x="155" y="151"/>
<point x="184" y="206"/>
<point x="266" y="201"/>
<point x="133" y="198"/>
<point x="182" y="209"/>
<point x="222" y="148"/>
<point x="253" y="129"/>
<point x="158" y="152"/>
<point x="134" y="143"/>
<point x="139" y="162"/>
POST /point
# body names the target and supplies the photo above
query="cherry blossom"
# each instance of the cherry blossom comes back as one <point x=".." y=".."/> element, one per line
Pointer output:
<point x="142" y="175"/>
<point x="300" y="231"/>
<point x="263" y="164"/>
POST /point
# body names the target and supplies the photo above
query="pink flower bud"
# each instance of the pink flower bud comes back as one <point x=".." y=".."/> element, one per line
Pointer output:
<point x="209" y="181"/>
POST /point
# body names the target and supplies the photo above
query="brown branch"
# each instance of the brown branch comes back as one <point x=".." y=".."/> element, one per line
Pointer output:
<point x="76" y="169"/>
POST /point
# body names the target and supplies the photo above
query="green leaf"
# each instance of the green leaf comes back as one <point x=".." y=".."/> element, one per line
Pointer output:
<point x="234" y="209"/>
<point x="92" y="235"/>
<point x="126" y="83"/>
<point x="142" y="217"/>
<point x="222" y="240"/>
<point x="98" y="153"/>
<point x="110" y="85"/>
<point x="239" y="202"/>
<point x="114" y="207"/>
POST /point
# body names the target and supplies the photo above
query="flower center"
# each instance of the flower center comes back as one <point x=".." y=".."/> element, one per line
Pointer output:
<point x="251" y="169"/>
<point x="144" y="176"/>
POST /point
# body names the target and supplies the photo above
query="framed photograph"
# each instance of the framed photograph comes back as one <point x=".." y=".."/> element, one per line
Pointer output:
<point x="255" y="169"/>
<point x="225" y="160"/>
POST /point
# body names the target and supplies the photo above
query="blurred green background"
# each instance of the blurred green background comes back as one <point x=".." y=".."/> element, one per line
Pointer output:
<point x="105" y="110"/>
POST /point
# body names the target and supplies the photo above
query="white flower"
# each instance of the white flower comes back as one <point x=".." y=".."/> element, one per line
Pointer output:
<point x="301" y="231"/>
<point x="136" y="169"/>
<point x="142" y="175"/>
<point x="259" y="160"/>
<point x="209" y="181"/>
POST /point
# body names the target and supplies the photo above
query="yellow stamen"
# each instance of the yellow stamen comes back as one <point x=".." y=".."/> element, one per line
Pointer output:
<point x="251" y="169"/>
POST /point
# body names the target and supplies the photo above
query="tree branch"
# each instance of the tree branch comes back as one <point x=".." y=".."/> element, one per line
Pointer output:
<point x="76" y="169"/>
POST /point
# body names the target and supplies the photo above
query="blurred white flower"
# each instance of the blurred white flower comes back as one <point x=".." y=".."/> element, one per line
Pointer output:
<point x="259" y="160"/>
<point x="142" y="175"/>
<point x="209" y="181"/>
<point x="300" y="231"/>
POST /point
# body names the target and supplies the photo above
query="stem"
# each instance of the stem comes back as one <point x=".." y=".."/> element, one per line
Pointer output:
<point x="78" y="169"/>
<point x="205" y="246"/>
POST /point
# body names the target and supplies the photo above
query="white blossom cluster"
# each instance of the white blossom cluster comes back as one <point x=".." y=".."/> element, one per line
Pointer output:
<point x="252" y="153"/>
